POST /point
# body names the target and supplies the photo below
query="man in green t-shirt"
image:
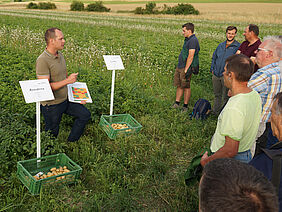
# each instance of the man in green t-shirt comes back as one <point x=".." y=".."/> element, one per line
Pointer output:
<point x="238" y="122"/>
<point x="51" y="65"/>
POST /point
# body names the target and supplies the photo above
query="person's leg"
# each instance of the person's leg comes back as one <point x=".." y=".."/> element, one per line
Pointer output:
<point x="185" y="85"/>
<point x="217" y="90"/>
<point x="82" y="115"/>
<point x="177" y="84"/>
<point x="225" y="96"/>
<point x="187" y="95"/>
<point x="52" y="116"/>
<point x="179" y="93"/>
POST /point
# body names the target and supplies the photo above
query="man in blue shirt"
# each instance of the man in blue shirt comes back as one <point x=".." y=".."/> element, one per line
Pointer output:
<point x="222" y="52"/>
<point x="188" y="63"/>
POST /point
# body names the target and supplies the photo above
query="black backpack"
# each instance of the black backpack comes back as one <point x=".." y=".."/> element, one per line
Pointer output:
<point x="201" y="109"/>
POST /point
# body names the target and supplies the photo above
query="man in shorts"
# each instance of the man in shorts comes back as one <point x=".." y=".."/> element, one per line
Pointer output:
<point x="188" y="63"/>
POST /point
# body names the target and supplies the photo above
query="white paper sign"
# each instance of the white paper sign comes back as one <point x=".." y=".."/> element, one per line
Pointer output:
<point x="36" y="90"/>
<point x="113" y="62"/>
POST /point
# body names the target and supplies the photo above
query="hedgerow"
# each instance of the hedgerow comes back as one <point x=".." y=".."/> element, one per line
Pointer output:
<point x="41" y="5"/>
<point x="97" y="7"/>
<point x="180" y="9"/>
<point x="77" y="6"/>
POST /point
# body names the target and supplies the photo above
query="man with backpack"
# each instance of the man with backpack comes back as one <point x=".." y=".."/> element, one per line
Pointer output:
<point x="269" y="161"/>
<point x="188" y="63"/>
<point x="238" y="122"/>
<point x="222" y="52"/>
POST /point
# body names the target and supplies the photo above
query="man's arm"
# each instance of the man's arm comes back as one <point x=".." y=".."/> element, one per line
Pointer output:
<point x="258" y="82"/>
<point x="57" y="85"/>
<point x="238" y="52"/>
<point x="189" y="59"/>
<point x="229" y="150"/>
<point x="213" y="61"/>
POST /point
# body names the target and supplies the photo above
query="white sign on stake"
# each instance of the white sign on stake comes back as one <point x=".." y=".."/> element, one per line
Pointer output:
<point x="113" y="62"/>
<point x="36" y="91"/>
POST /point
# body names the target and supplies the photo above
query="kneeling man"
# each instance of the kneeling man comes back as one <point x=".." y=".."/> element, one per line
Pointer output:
<point x="238" y="122"/>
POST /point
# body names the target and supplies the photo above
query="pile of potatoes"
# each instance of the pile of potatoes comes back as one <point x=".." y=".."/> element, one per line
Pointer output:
<point x="53" y="172"/>
<point x="120" y="126"/>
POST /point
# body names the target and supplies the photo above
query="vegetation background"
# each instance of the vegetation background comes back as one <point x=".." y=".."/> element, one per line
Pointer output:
<point x="139" y="172"/>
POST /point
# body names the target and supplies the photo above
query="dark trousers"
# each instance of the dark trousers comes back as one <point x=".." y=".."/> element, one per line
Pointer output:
<point x="53" y="114"/>
<point x="220" y="93"/>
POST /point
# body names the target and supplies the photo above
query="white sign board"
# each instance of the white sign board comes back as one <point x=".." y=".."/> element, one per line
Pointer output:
<point x="113" y="62"/>
<point x="36" y="90"/>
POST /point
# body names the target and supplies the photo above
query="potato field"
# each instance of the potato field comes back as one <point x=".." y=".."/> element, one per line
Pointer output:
<point x="140" y="172"/>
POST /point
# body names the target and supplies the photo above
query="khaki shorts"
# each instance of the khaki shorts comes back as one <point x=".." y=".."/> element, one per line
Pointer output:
<point x="180" y="80"/>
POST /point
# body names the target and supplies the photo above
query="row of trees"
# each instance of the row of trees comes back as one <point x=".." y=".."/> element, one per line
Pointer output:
<point x="150" y="8"/>
<point x="180" y="9"/>
<point x="41" y="5"/>
<point x="97" y="7"/>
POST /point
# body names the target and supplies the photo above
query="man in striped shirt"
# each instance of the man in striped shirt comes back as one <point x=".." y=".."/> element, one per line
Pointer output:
<point x="267" y="82"/>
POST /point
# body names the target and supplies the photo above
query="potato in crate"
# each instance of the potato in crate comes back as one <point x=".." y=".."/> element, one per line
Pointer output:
<point x="44" y="171"/>
<point x="119" y="124"/>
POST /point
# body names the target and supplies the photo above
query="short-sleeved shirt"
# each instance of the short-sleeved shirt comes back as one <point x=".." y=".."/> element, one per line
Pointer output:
<point x="189" y="43"/>
<point x="247" y="50"/>
<point x="267" y="82"/>
<point x="238" y="120"/>
<point x="55" y="68"/>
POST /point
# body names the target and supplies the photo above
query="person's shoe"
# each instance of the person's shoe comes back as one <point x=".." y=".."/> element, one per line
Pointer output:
<point x="184" y="109"/>
<point x="175" y="106"/>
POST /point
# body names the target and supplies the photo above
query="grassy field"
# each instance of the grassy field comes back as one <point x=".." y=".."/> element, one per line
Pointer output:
<point x="136" y="173"/>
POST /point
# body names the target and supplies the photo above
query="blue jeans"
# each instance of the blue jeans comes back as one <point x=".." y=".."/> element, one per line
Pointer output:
<point x="244" y="157"/>
<point x="53" y="114"/>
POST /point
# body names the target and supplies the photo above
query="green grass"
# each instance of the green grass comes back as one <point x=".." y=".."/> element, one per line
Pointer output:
<point x="139" y="172"/>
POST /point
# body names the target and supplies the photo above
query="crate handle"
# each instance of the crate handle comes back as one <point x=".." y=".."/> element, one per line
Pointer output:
<point x="71" y="163"/>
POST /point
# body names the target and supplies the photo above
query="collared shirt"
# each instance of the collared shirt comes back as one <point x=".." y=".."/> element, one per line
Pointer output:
<point x="53" y="66"/>
<point x="267" y="82"/>
<point x="250" y="50"/>
<point x="189" y="43"/>
<point x="220" y="55"/>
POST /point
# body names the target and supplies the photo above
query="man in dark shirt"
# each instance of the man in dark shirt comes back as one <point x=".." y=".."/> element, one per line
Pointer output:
<point x="188" y="62"/>
<point x="251" y="43"/>
<point x="262" y="162"/>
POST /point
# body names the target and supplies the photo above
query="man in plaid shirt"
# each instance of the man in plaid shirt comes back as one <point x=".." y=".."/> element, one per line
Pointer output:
<point x="267" y="82"/>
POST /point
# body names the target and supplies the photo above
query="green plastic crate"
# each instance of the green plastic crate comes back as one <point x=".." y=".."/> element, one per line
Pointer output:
<point x="106" y="122"/>
<point x="28" y="168"/>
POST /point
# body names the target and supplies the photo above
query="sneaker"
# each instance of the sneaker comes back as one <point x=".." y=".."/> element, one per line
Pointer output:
<point x="184" y="109"/>
<point x="175" y="106"/>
